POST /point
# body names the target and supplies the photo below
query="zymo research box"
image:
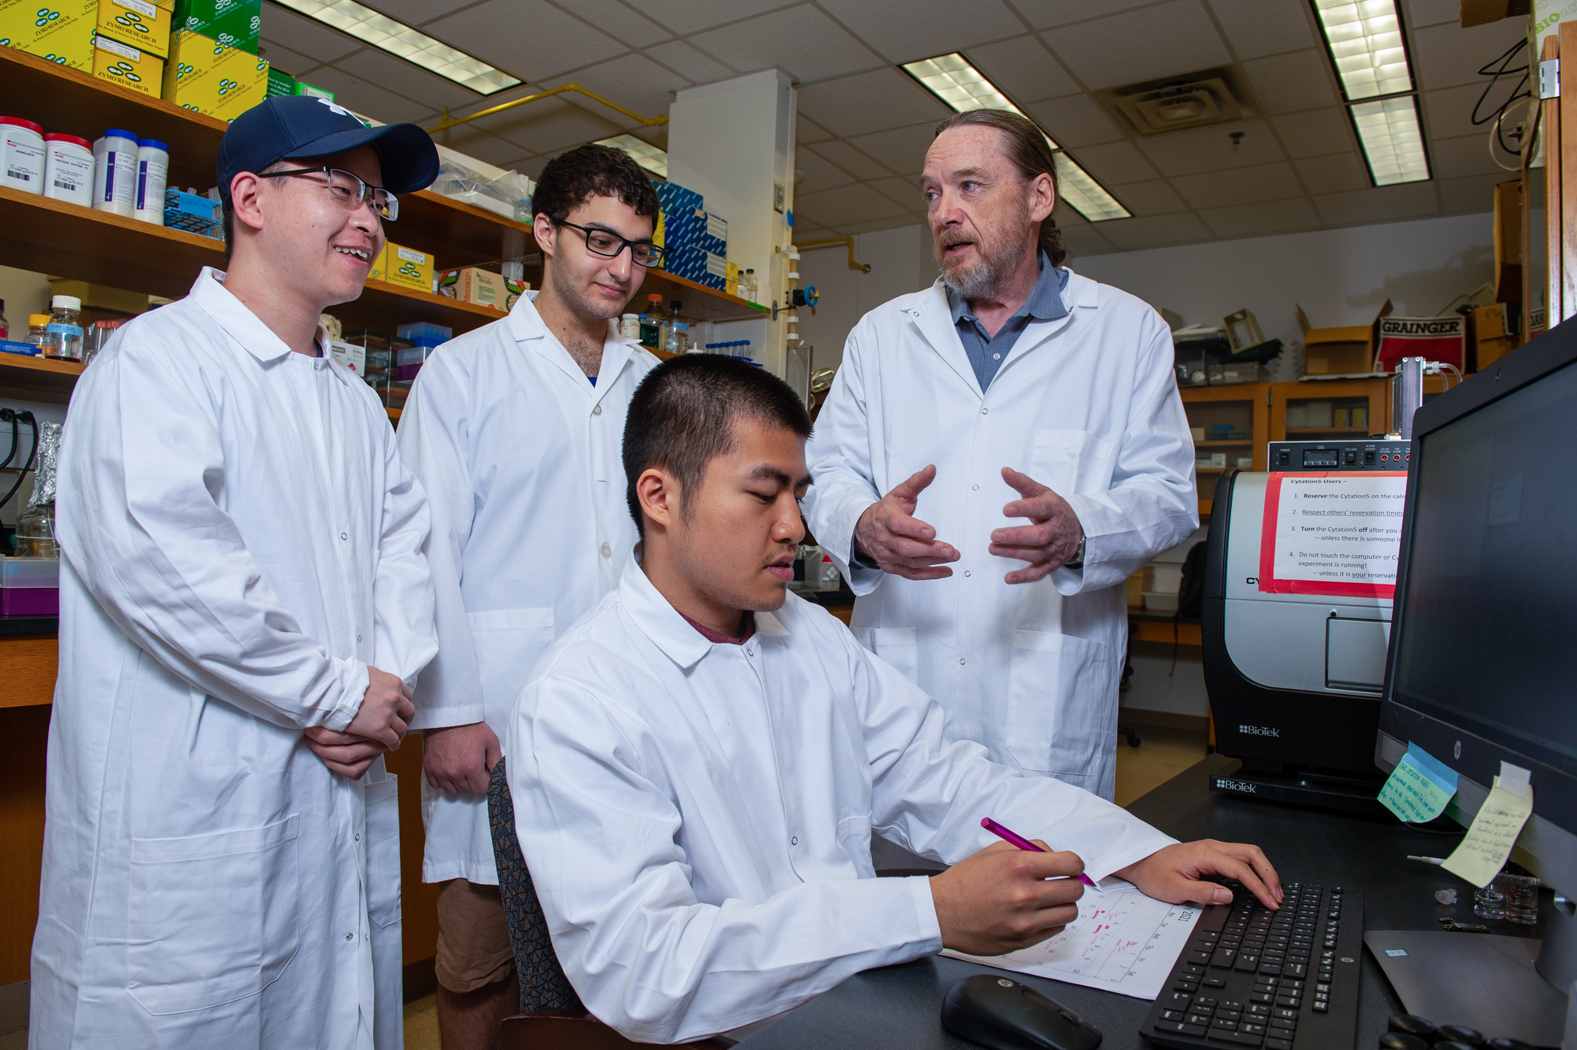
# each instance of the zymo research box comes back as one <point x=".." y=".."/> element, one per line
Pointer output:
<point x="60" y="32"/>
<point x="122" y="64"/>
<point x="141" y="24"/>
<point x="213" y="78"/>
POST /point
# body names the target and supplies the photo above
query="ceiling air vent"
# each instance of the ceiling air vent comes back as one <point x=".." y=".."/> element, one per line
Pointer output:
<point x="1187" y="101"/>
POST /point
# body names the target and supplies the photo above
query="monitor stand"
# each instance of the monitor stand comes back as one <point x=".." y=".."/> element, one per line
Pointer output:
<point x="1501" y="986"/>
<point x="1345" y="792"/>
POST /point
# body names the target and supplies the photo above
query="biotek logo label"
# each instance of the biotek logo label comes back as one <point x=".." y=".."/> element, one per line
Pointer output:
<point x="1241" y="786"/>
<point x="1259" y="731"/>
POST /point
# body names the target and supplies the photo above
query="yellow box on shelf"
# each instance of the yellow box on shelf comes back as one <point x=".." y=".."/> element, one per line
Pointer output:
<point x="213" y="78"/>
<point x="142" y="24"/>
<point x="61" y="34"/>
<point x="407" y="267"/>
<point x="125" y="65"/>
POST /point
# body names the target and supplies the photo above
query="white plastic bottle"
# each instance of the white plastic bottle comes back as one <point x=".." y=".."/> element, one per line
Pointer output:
<point x="115" y="172"/>
<point x="68" y="168"/>
<point x="21" y="155"/>
<point x="153" y="169"/>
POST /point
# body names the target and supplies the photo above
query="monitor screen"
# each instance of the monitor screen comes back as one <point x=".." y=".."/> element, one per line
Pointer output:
<point x="1487" y="626"/>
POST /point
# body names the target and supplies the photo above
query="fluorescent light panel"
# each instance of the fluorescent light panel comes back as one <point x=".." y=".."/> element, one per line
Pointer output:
<point x="399" y="39"/>
<point x="1393" y="140"/>
<point x="956" y="82"/>
<point x="644" y="153"/>
<point x="1365" y="40"/>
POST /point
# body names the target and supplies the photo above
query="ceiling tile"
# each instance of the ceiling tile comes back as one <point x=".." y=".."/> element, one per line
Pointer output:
<point x="1222" y="189"/>
<point x="688" y="62"/>
<point x="1156" y="42"/>
<point x="807" y="130"/>
<point x="1155" y="231"/>
<point x="819" y="173"/>
<point x="1075" y="121"/>
<point x="1256" y="28"/>
<point x="1086" y="240"/>
<point x="1292" y="82"/>
<point x="411" y="12"/>
<point x="510" y="34"/>
<point x="1468" y="155"/>
<point x="1195" y="150"/>
<point x="369" y="99"/>
<point x="1380" y="204"/>
<point x="1254" y="220"/>
<point x="307" y="36"/>
<point x="1336" y="173"/>
<point x="1448" y="55"/>
<point x="1448" y="113"/>
<point x="483" y="146"/>
<point x="284" y="59"/>
<point x="901" y="149"/>
<point x="549" y="126"/>
<point x="1460" y="196"/>
<point x="904" y="30"/>
<point x="874" y="101"/>
<point x="1043" y="14"/>
<point x="850" y="160"/>
<point x="1316" y="132"/>
<point x="801" y="40"/>
<point x="633" y="81"/>
<point x="692" y="16"/>
<point x="618" y="20"/>
<point x="1430" y="12"/>
<point x="904" y="192"/>
<point x="1155" y="197"/>
<point x="847" y="204"/>
<point x="1115" y="163"/>
<point x="380" y="67"/>
<point x="1024" y="69"/>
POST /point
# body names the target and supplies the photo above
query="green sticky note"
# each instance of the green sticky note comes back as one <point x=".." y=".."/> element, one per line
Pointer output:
<point x="1419" y="787"/>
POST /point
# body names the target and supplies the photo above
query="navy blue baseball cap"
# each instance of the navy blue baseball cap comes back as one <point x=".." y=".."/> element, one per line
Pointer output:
<point x="298" y="127"/>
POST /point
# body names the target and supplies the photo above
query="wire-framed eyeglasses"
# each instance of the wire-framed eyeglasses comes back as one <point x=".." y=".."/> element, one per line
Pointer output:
<point x="609" y="244"/>
<point x="349" y="190"/>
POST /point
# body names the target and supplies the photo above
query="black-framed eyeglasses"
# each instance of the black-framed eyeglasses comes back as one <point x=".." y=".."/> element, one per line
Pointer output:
<point x="349" y="190"/>
<point x="609" y="244"/>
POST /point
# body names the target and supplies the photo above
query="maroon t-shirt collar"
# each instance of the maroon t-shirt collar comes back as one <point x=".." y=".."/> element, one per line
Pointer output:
<point x="723" y="639"/>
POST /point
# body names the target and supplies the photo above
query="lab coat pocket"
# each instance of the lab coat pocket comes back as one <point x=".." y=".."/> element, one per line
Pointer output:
<point x="212" y="917"/>
<point x="899" y="647"/>
<point x="507" y="643"/>
<point x="383" y="850"/>
<point x="1070" y="461"/>
<point x="1058" y="688"/>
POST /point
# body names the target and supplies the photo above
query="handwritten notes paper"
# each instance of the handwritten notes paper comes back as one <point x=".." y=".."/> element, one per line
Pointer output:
<point x="1488" y="843"/>
<point x="1419" y="787"/>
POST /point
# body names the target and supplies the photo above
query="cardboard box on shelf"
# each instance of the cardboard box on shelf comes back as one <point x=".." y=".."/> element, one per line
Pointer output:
<point x="62" y="35"/>
<point x="408" y="267"/>
<point x="234" y="23"/>
<point x="1340" y="351"/>
<point x="472" y="284"/>
<point x="142" y="24"/>
<point x="279" y="83"/>
<point x="1491" y="341"/>
<point x="124" y="65"/>
<point x="303" y="88"/>
<point x="209" y="77"/>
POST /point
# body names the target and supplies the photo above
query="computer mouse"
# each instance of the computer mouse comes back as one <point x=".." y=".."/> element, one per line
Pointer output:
<point x="1003" y="1014"/>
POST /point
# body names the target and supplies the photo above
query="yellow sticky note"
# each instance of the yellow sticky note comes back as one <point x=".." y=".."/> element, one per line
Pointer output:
<point x="1488" y="843"/>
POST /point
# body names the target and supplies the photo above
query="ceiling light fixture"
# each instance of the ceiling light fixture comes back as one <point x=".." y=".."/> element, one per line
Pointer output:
<point x="1368" y="49"/>
<point x="644" y="153"/>
<point x="954" y="80"/>
<point x="401" y="40"/>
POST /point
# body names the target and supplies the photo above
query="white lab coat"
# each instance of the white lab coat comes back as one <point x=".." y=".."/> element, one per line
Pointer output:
<point x="238" y="542"/>
<point x="520" y="457"/>
<point x="1085" y="404"/>
<point x="697" y="817"/>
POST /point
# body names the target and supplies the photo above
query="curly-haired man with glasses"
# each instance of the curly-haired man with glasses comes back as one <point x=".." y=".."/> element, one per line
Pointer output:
<point x="514" y="431"/>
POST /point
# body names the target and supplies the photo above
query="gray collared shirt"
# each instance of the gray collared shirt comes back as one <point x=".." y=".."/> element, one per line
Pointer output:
<point x="986" y="353"/>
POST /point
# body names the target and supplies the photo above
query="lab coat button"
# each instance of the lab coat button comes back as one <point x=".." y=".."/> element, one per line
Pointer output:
<point x="960" y="659"/>
<point x="985" y="411"/>
<point x="607" y="551"/>
<point x="966" y="572"/>
<point x="974" y="488"/>
<point x="344" y="535"/>
<point x="596" y="410"/>
<point x="350" y="936"/>
<point x="794" y="841"/>
<point x="358" y="836"/>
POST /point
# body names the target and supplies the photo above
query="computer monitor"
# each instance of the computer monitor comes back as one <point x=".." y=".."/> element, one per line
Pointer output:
<point x="1482" y="664"/>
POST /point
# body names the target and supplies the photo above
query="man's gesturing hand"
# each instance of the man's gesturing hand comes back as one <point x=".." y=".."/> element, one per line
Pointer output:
<point x="1049" y="543"/>
<point x="1174" y="873"/>
<point x="458" y="759"/>
<point x="889" y="534"/>
<point x="999" y="900"/>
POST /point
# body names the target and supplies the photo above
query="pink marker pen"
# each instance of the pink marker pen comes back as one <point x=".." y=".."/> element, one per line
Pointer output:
<point x="1021" y="842"/>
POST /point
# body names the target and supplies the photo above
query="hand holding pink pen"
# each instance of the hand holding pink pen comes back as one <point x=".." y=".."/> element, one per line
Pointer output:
<point x="1021" y="842"/>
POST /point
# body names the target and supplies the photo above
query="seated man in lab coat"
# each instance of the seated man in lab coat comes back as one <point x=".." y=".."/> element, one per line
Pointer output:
<point x="699" y="763"/>
<point x="243" y="609"/>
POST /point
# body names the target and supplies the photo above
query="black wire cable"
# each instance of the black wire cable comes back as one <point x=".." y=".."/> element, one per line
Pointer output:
<point x="26" y="417"/>
<point x="9" y="416"/>
<point x="1495" y="70"/>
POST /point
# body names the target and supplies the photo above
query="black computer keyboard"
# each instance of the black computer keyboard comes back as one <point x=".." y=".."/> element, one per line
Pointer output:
<point x="1277" y="980"/>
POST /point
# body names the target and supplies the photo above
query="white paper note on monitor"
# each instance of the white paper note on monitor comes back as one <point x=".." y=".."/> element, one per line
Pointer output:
<point x="1121" y="942"/>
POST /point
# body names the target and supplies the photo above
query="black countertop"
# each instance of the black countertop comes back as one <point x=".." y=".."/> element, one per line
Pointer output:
<point x="29" y="625"/>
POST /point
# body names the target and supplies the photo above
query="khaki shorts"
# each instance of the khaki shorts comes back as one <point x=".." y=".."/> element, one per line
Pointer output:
<point x="473" y="937"/>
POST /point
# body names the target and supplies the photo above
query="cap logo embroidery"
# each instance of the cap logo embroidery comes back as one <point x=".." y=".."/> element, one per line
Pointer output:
<point x="341" y="110"/>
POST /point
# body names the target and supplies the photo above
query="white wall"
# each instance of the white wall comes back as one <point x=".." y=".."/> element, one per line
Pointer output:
<point x="900" y="262"/>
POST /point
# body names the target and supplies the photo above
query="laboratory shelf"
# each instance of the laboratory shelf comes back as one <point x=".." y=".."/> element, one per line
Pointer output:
<point x="38" y="375"/>
<point x="1308" y="433"/>
<point x="1235" y="443"/>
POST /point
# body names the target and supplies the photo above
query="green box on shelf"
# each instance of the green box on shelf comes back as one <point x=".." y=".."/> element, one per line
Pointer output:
<point x="303" y="88"/>
<point x="235" y="23"/>
<point x="279" y="84"/>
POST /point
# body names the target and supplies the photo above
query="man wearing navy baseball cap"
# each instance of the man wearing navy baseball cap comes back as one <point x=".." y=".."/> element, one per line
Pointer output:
<point x="244" y="610"/>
